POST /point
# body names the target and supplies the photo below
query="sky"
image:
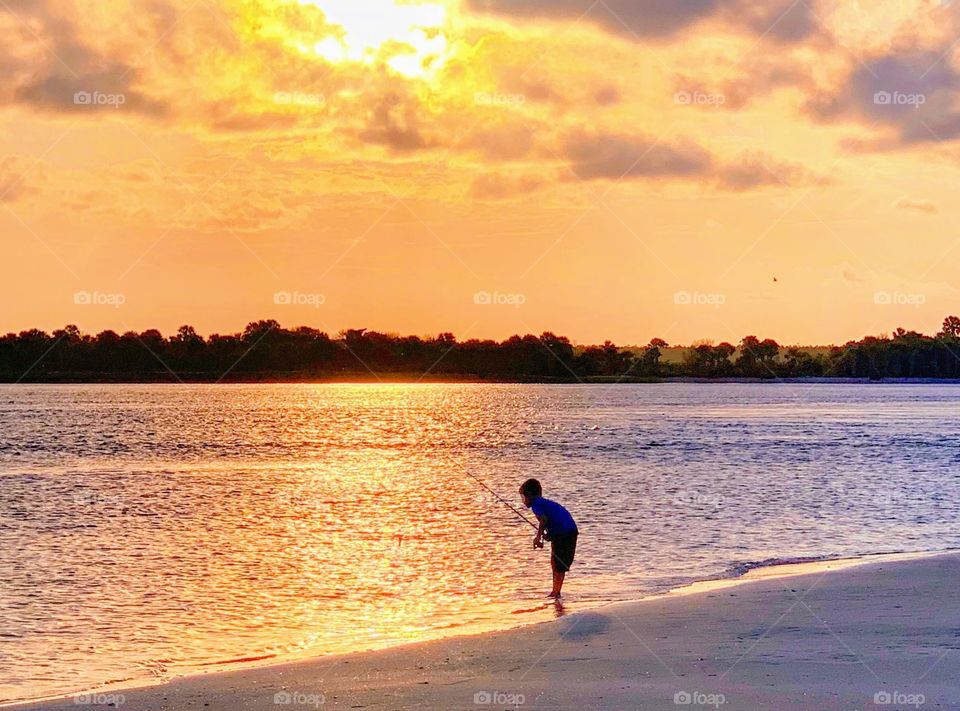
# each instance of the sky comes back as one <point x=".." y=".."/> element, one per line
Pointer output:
<point x="618" y="169"/>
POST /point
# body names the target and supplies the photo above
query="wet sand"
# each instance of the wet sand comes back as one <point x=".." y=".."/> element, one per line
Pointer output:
<point x="839" y="635"/>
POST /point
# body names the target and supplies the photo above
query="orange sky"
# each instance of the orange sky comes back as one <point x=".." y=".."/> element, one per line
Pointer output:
<point x="623" y="169"/>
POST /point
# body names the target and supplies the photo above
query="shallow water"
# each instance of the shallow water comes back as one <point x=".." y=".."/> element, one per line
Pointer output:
<point x="147" y="531"/>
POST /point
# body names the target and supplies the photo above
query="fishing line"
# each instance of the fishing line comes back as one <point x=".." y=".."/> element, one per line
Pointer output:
<point x="501" y="500"/>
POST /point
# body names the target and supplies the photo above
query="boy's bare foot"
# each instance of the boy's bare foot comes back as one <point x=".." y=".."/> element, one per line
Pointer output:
<point x="554" y="595"/>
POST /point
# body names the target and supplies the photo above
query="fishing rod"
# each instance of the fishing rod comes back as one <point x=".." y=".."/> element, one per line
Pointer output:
<point x="500" y="499"/>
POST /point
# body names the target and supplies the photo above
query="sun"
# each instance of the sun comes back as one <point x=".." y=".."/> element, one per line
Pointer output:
<point x="407" y="37"/>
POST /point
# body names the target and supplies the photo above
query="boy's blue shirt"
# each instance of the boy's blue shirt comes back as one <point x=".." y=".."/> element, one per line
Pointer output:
<point x="559" y="520"/>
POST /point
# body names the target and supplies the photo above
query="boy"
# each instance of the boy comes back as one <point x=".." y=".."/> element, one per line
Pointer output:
<point x="557" y="525"/>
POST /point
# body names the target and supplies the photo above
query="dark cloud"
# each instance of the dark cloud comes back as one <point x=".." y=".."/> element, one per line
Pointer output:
<point x="615" y="156"/>
<point x="751" y="80"/>
<point x="105" y="90"/>
<point x="515" y="87"/>
<point x="563" y="93"/>
<point x="644" y="18"/>
<point x="914" y="95"/>
<point x="756" y="170"/>
<point x="74" y="76"/>
<point x="607" y="96"/>
<point x="393" y="122"/>
<point x="779" y="20"/>
<point x="786" y="21"/>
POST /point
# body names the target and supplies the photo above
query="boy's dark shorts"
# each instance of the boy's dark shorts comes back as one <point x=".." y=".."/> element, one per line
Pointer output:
<point x="562" y="550"/>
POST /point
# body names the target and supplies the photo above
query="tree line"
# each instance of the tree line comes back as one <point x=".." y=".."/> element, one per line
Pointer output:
<point x="265" y="350"/>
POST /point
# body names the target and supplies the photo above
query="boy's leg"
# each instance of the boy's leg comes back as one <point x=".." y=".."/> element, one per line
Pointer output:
<point x="557" y="582"/>
<point x="559" y="564"/>
<point x="557" y="575"/>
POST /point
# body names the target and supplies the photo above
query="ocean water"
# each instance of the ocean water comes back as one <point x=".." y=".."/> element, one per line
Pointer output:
<point x="150" y="531"/>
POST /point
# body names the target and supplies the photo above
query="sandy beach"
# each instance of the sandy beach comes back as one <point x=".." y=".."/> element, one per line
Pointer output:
<point x="875" y="633"/>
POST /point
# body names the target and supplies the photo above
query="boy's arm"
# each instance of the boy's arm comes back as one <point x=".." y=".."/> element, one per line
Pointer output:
<point x="538" y="540"/>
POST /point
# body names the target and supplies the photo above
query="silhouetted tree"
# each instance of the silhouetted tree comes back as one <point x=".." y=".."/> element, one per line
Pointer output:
<point x="707" y="361"/>
<point x="264" y="349"/>
<point x="951" y="327"/>
<point x="757" y="357"/>
<point x="605" y="360"/>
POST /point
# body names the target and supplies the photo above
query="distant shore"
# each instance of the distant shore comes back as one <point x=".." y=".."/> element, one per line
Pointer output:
<point x="834" y="634"/>
<point x="411" y="378"/>
<point x="266" y="351"/>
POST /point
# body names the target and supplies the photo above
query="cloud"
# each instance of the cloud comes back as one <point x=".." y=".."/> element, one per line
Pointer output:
<point x="607" y="96"/>
<point x="927" y="206"/>
<point x="615" y="156"/>
<point x="644" y="18"/>
<point x="212" y="193"/>
<point x="754" y="170"/>
<point x="105" y="90"/>
<point x="913" y="95"/>
<point x="563" y="88"/>
<point x="618" y="156"/>
<point x="534" y="89"/>
<point x="227" y="116"/>
<point x="784" y="21"/>
<point x="393" y="122"/>
<point x="213" y="71"/>
<point x="750" y="81"/>
<point x="66" y="73"/>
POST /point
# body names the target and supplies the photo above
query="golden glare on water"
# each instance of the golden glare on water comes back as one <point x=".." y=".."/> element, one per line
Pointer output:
<point x="406" y="37"/>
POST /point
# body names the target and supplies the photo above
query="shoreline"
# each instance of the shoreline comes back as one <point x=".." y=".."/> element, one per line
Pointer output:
<point x="419" y="379"/>
<point x="752" y="574"/>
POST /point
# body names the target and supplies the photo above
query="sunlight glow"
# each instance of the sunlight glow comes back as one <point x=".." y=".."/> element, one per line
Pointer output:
<point x="406" y="37"/>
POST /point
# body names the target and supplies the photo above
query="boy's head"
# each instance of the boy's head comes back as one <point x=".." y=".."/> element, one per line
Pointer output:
<point x="530" y="490"/>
